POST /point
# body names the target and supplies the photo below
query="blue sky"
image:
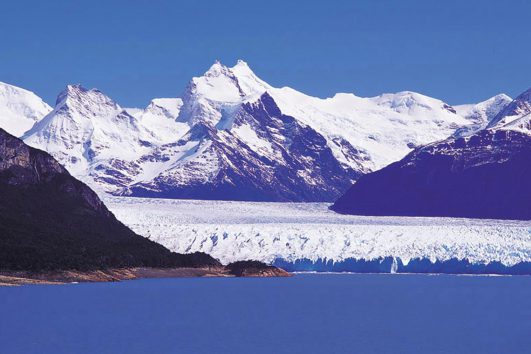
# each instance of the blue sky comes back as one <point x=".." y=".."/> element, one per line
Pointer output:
<point x="459" y="51"/>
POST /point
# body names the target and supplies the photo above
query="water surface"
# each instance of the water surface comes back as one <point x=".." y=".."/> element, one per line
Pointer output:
<point x="357" y="313"/>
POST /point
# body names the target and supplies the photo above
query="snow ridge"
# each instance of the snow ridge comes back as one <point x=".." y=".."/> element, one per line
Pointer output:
<point x="20" y="109"/>
<point x="215" y="137"/>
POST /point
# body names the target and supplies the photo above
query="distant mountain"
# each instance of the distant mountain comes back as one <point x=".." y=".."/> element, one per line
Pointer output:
<point x="232" y="136"/>
<point x="481" y="114"/>
<point x="51" y="221"/>
<point x="20" y="109"/>
<point x="483" y="175"/>
<point x="516" y="115"/>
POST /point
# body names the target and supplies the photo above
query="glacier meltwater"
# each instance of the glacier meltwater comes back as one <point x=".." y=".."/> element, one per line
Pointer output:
<point x="310" y="237"/>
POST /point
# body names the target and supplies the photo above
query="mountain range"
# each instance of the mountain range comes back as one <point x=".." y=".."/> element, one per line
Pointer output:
<point x="232" y="136"/>
<point x="484" y="174"/>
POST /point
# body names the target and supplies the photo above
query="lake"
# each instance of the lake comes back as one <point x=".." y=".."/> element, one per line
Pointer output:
<point x="325" y="313"/>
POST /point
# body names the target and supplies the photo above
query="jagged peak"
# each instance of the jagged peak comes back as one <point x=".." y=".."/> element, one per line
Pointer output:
<point x="217" y="69"/>
<point x="70" y="90"/>
<point x="265" y="102"/>
<point x="242" y="67"/>
<point x="76" y="93"/>
<point x="223" y="84"/>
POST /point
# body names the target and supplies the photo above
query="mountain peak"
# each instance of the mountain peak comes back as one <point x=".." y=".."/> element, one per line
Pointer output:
<point x="20" y="109"/>
<point x="217" y="69"/>
<point x="223" y="84"/>
<point x="250" y="83"/>
<point x="518" y="108"/>
<point x="241" y="65"/>
<point x="70" y="90"/>
<point x="80" y="98"/>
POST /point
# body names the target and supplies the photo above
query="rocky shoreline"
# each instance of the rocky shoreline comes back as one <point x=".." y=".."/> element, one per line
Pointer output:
<point x="16" y="278"/>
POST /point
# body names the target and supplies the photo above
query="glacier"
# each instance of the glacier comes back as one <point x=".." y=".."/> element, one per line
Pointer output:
<point x="310" y="237"/>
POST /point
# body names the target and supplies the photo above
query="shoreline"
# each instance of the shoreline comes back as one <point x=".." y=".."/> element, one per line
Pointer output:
<point x="17" y="278"/>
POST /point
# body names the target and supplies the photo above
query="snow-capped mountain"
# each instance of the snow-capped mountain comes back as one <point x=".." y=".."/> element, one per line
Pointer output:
<point x="20" y="109"/>
<point x="481" y="175"/>
<point x="242" y="133"/>
<point x="233" y="136"/>
<point x="382" y="129"/>
<point x="92" y="136"/>
<point x="481" y="114"/>
<point x="261" y="154"/>
<point x="484" y="175"/>
<point x="516" y="115"/>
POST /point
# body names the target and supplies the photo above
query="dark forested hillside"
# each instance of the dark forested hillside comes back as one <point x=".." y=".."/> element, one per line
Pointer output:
<point x="49" y="220"/>
<point x="485" y="175"/>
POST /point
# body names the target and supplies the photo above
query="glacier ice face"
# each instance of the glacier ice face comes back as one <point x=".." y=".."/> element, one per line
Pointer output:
<point x="232" y="231"/>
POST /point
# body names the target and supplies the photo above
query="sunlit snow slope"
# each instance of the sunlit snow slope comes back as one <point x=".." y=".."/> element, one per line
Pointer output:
<point x="20" y="109"/>
<point x="230" y="135"/>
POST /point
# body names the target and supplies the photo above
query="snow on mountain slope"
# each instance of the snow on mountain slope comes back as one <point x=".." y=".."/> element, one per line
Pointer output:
<point x="20" y="109"/>
<point x="233" y="231"/>
<point x="159" y="119"/>
<point x="92" y="136"/>
<point x="484" y="112"/>
<point x="211" y="98"/>
<point x="233" y="136"/>
<point x="481" y="174"/>
<point x="264" y="156"/>
<point x="481" y="114"/>
<point x="385" y="128"/>
<point x="362" y="134"/>
<point x="516" y="115"/>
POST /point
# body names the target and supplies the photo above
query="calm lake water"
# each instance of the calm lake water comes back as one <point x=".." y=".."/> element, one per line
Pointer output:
<point x="304" y="314"/>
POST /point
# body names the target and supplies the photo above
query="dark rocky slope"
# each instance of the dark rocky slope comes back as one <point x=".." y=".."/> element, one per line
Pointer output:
<point x="49" y="221"/>
<point x="255" y="269"/>
<point x="485" y="175"/>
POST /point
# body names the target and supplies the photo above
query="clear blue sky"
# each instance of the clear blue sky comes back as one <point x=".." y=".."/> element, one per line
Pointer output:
<point x="459" y="51"/>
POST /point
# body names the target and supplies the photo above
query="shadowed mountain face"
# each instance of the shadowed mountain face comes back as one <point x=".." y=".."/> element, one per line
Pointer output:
<point x="49" y="220"/>
<point x="485" y="175"/>
<point x="298" y="165"/>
